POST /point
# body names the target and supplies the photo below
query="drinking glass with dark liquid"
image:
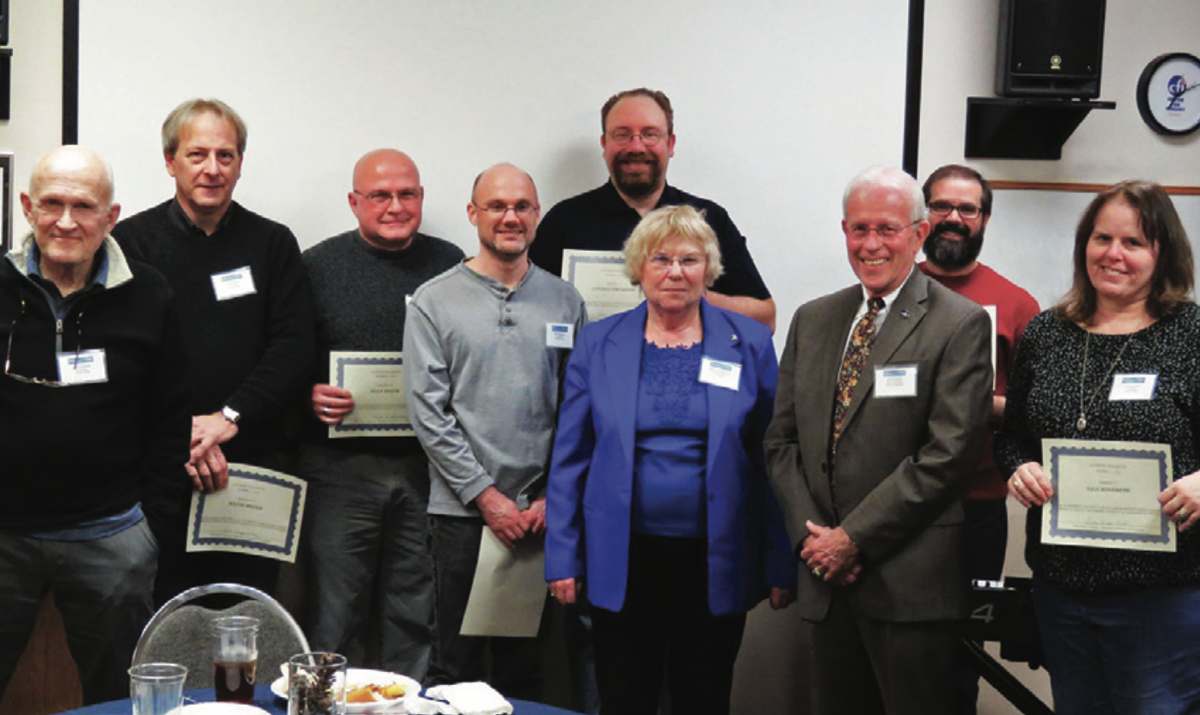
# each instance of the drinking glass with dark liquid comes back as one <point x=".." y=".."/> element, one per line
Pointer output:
<point x="235" y="658"/>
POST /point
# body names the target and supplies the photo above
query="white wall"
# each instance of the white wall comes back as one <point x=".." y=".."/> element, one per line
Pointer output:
<point x="773" y="114"/>
<point x="1110" y="145"/>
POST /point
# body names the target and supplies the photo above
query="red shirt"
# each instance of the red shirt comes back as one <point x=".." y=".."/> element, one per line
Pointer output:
<point x="1014" y="308"/>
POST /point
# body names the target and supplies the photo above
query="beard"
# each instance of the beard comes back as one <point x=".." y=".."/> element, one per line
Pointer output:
<point x="632" y="185"/>
<point x="507" y="254"/>
<point x="950" y="254"/>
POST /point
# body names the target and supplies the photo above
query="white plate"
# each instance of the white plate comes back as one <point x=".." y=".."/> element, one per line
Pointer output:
<point x="222" y="709"/>
<point x="362" y="676"/>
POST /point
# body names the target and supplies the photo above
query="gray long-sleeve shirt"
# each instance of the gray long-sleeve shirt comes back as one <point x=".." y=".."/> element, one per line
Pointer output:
<point x="483" y="382"/>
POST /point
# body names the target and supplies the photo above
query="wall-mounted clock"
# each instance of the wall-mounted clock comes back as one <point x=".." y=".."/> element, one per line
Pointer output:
<point x="1168" y="93"/>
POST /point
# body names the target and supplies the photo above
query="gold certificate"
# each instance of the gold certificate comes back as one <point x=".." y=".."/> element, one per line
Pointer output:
<point x="1106" y="494"/>
<point x="375" y="379"/>
<point x="259" y="513"/>
<point x="600" y="278"/>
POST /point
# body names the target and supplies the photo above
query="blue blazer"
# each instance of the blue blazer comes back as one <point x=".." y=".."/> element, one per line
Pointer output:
<point x="588" y="501"/>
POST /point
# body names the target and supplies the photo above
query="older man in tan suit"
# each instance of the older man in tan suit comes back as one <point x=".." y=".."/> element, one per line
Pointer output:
<point x="883" y="400"/>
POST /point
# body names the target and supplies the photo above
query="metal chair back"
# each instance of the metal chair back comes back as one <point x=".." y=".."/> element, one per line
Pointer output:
<point x="181" y="632"/>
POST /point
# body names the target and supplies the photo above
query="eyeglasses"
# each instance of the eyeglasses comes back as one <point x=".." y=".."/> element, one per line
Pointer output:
<point x="380" y="199"/>
<point x="497" y="209"/>
<point x="44" y="382"/>
<point x="663" y="262"/>
<point x="943" y="208"/>
<point x="884" y="230"/>
<point x="649" y="137"/>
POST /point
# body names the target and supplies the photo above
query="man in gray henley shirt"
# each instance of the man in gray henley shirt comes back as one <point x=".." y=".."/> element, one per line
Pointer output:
<point x="485" y="344"/>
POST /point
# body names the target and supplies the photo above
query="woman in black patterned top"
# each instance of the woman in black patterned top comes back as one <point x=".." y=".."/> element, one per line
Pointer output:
<point x="1118" y="359"/>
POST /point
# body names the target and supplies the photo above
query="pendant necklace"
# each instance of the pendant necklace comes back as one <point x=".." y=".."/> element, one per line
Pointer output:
<point x="1081" y="422"/>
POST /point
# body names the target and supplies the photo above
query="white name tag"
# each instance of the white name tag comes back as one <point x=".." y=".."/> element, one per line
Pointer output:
<point x="720" y="373"/>
<point x="896" y="381"/>
<point x="233" y="284"/>
<point x="560" y="335"/>
<point x="1130" y="386"/>
<point x="82" y="368"/>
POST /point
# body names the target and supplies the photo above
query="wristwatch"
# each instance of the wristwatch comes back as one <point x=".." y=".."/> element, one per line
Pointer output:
<point x="231" y="414"/>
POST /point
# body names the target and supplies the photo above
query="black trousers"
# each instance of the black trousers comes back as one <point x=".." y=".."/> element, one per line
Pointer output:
<point x="985" y="537"/>
<point x="665" y="628"/>
<point x="516" y="666"/>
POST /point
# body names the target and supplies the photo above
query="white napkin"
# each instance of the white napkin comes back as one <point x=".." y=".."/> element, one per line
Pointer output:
<point x="472" y="698"/>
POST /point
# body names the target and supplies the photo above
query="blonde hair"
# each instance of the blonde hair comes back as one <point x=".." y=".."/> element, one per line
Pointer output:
<point x="671" y="222"/>
<point x="187" y="111"/>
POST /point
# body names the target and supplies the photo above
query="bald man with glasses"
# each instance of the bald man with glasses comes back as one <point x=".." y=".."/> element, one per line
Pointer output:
<point x="366" y="531"/>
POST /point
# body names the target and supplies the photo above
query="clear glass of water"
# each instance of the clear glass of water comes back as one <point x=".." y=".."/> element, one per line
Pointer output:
<point x="156" y="688"/>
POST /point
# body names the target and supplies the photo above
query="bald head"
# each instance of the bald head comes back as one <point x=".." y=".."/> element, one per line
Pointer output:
<point x="502" y="171"/>
<point x="387" y="199"/>
<point x="70" y="208"/>
<point x="75" y="162"/>
<point x="504" y="210"/>
<point x="383" y="161"/>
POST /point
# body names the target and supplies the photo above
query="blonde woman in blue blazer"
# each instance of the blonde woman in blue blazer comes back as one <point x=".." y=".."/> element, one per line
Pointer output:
<point x="658" y="496"/>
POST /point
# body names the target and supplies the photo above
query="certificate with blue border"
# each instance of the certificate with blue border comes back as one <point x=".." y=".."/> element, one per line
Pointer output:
<point x="1106" y="494"/>
<point x="259" y="513"/>
<point x="375" y="380"/>
<point x="600" y="278"/>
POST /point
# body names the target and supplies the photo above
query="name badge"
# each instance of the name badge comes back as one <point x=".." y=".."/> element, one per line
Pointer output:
<point x="233" y="284"/>
<point x="560" y="335"/>
<point x="896" y="381"/>
<point x="720" y="373"/>
<point x="83" y="367"/>
<point x="1130" y="386"/>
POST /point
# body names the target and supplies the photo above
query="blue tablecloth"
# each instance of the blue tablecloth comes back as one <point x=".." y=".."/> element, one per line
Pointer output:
<point x="265" y="699"/>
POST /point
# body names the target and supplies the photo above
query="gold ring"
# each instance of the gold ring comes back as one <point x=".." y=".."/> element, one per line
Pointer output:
<point x="818" y="571"/>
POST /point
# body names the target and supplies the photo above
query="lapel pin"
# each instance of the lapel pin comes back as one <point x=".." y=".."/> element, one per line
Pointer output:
<point x="733" y="339"/>
<point x="904" y="312"/>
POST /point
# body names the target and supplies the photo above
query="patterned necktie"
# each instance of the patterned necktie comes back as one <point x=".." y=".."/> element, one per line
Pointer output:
<point x="852" y="364"/>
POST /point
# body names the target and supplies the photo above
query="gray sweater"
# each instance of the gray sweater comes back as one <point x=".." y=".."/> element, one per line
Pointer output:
<point x="360" y="294"/>
<point x="483" y="385"/>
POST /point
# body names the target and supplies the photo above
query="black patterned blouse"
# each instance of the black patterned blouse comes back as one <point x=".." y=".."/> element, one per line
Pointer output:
<point x="1044" y="402"/>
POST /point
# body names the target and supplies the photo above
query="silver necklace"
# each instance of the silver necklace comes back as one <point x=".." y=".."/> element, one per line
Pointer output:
<point x="1081" y="422"/>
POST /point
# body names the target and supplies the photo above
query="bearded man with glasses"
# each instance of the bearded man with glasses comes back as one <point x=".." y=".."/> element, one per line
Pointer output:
<point x="95" y="423"/>
<point x="638" y="140"/>
<point x="959" y="200"/>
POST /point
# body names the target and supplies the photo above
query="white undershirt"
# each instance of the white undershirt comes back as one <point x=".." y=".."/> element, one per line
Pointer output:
<point x="883" y="313"/>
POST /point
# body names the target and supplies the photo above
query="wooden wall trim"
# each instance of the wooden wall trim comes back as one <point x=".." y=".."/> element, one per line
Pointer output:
<point x="1079" y="188"/>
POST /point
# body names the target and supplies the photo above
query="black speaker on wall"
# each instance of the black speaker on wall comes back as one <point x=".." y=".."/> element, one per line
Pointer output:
<point x="1050" y="48"/>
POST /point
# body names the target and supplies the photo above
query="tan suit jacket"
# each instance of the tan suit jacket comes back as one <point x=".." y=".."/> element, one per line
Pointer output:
<point x="895" y="484"/>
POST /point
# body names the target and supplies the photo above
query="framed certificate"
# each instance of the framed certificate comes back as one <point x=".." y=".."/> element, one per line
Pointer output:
<point x="376" y="380"/>
<point x="1106" y="494"/>
<point x="259" y="513"/>
<point x="600" y="278"/>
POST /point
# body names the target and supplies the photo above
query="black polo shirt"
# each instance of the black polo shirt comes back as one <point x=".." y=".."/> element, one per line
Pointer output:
<point x="600" y="220"/>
